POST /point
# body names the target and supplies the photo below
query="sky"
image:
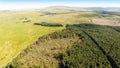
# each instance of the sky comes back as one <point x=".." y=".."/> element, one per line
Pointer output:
<point x="37" y="4"/>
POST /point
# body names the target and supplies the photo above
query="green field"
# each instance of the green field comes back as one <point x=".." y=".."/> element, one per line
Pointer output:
<point x="15" y="35"/>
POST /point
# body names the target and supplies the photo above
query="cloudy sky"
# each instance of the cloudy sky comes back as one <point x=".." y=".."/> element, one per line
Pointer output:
<point x="35" y="4"/>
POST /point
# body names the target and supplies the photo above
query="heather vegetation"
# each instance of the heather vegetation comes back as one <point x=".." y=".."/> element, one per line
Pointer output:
<point x="44" y="53"/>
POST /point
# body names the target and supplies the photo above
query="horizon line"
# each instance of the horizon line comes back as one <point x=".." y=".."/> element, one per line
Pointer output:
<point x="24" y="6"/>
<point x="55" y="6"/>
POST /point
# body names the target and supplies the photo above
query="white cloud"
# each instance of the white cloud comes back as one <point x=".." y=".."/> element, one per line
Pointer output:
<point x="19" y="6"/>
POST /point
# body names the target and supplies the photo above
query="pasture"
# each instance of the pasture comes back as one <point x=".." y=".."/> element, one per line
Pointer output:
<point x="16" y="33"/>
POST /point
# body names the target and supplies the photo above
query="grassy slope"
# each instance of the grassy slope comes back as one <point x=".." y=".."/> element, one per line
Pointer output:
<point x="68" y="18"/>
<point x="15" y="35"/>
<point x="95" y="17"/>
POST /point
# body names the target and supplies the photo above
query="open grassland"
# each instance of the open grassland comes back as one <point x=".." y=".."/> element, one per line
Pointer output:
<point x="16" y="35"/>
<point x="96" y="17"/>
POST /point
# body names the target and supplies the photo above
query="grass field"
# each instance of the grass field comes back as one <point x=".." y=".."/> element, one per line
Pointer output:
<point x="15" y="35"/>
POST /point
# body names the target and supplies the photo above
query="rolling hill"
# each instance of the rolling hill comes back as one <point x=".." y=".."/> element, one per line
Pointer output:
<point x="87" y="34"/>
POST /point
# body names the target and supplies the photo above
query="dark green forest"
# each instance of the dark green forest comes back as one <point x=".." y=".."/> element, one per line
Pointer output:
<point x="48" y="24"/>
<point x="99" y="48"/>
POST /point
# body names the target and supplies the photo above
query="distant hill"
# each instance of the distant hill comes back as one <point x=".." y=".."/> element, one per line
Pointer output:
<point x="82" y="8"/>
